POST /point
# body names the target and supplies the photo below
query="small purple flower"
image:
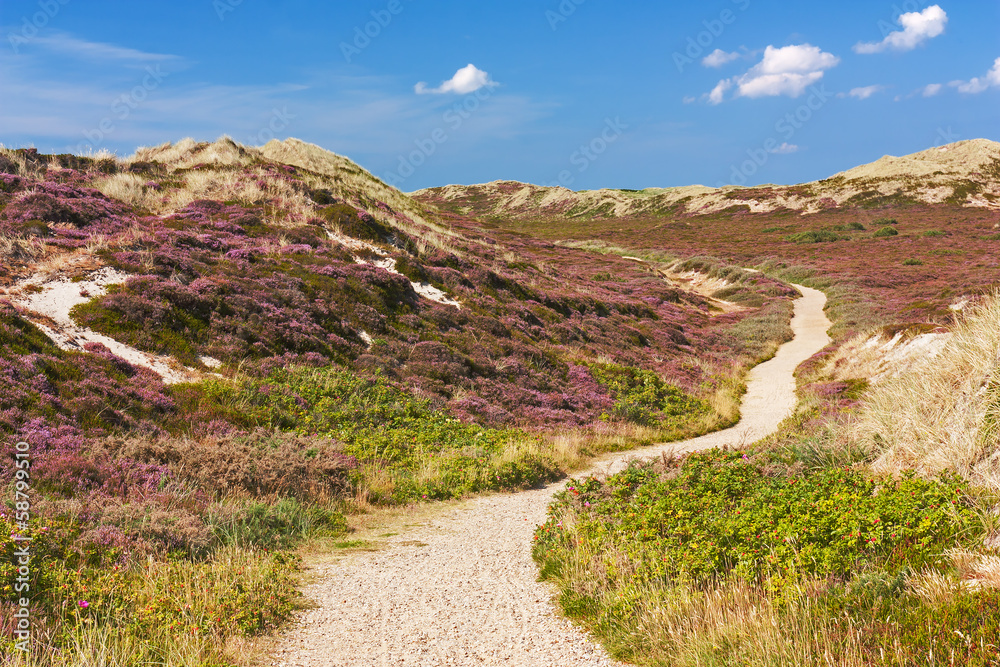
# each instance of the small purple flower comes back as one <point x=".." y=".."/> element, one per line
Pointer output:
<point x="83" y="604"/>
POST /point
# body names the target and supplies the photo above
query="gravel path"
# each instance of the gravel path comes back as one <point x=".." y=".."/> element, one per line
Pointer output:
<point x="462" y="589"/>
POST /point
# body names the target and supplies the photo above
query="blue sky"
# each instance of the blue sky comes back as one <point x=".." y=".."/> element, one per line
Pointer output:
<point x="583" y="93"/>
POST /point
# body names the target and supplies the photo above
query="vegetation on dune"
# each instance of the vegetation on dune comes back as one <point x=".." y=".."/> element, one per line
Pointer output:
<point x="340" y="386"/>
<point x="849" y="538"/>
<point x="748" y="543"/>
<point x="864" y="533"/>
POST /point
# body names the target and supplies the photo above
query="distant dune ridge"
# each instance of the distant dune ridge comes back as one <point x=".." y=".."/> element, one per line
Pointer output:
<point x="966" y="172"/>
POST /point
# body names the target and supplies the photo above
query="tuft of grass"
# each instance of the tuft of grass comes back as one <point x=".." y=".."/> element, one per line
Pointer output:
<point x="912" y="262"/>
<point x="885" y="232"/>
<point x="944" y="416"/>
<point x="156" y="612"/>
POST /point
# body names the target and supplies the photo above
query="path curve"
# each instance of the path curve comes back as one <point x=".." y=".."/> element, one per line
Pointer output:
<point x="463" y="589"/>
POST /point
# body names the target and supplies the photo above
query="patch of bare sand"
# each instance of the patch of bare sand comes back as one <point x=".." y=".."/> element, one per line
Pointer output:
<point x="48" y="301"/>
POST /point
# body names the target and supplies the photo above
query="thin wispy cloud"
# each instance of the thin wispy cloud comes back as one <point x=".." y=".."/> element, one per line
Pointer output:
<point x="785" y="149"/>
<point x="931" y="89"/>
<point x="467" y="80"/>
<point x="918" y="28"/>
<point x="80" y="48"/>
<point x="786" y="71"/>
<point x="864" y="92"/>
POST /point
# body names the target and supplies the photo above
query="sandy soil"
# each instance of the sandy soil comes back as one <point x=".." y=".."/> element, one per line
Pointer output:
<point x="461" y="587"/>
<point x="48" y="302"/>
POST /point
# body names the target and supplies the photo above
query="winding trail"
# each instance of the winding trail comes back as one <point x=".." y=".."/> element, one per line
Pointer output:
<point x="462" y="589"/>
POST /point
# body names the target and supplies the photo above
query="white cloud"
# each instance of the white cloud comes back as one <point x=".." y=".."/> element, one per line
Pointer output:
<point x="865" y="92"/>
<point x="719" y="92"/>
<point x="918" y="27"/>
<point x="977" y="85"/>
<point x="971" y="87"/>
<point x="994" y="74"/>
<point x="783" y="71"/>
<point x="931" y="89"/>
<point x="718" y="58"/>
<point x="690" y="100"/>
<point x="467" y="80"/>
<point x="785" y="149"/>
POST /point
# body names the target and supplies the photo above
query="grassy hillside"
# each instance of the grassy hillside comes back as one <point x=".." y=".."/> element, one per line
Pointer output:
<point x="343" y="346"/>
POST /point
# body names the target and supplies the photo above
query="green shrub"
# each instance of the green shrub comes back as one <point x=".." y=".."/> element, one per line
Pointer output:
<point x="422" y="450"/>
<point x="933" y="233"/>
<point x="881" y="222"/>
<point x="814" y="236"/>
<point x="885" y="232"/>
<point x="912" y="262"/>
<point x="717" y="512"/>
<point x="849" y="227"/>
<point x="643" y="397"/>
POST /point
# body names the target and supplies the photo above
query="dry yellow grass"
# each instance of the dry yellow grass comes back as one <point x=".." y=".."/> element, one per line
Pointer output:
<point x="687" y="625"/>
<point x="225" y="170"/>
<point x="128" y="188"/>
<point x="945" y="415"/>
<point x="19" y="248"/>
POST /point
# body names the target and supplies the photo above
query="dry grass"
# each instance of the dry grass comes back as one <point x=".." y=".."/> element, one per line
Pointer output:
<point x="130" y="189"/>
<point x="99" y="638"/>
<point x="21" y="249"/>
<point x="15" y="158"/>
<point x="226" y="172"/>
<point x="944" y="416"/>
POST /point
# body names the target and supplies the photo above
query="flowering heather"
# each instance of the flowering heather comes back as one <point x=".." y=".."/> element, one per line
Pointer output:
<point x="338" y="378"/>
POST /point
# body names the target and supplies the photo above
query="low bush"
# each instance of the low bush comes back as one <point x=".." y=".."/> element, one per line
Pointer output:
<point x="730" y="557"/>
<point x="400" y="448"/>
<point x="885" y="232"/>
<point x="642" y="397"/>
<point x="814" y="236"/>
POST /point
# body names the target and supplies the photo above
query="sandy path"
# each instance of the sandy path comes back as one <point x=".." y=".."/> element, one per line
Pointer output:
<point x="462" y="589"/>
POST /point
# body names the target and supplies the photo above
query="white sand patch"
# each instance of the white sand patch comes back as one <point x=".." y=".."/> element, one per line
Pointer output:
<point x="432" y="293"/>
<point x="423" y="289"/>
<point x="211" y="362"/>
<point x="701" y="283"/>
<point x="353" y="244"/>
<point x="52" y="300"/>
<point x="876" y="359"/>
